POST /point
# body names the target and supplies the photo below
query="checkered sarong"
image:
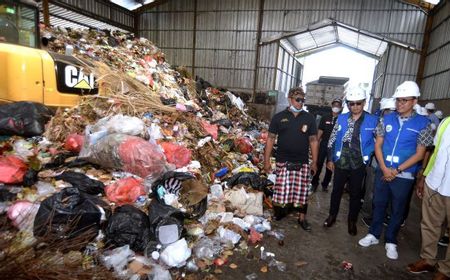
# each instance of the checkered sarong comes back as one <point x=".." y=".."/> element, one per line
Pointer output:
<point x="291" y="186"/>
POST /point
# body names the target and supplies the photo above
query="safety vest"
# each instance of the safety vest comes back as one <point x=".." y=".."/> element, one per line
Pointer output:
<point x="366" y="136"/>
<point x="400" y="141"/>
<point x="443" y="126"/>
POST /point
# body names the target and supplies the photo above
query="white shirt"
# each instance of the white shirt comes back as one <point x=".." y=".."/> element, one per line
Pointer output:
<point x="439" y="177"/>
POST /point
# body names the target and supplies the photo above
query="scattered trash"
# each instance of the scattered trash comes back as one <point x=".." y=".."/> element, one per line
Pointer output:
<point x="176" y="254"/>
<point x="347" y="265"/>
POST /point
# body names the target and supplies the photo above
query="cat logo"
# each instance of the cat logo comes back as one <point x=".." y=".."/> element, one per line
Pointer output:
<point x="75" y="78"/>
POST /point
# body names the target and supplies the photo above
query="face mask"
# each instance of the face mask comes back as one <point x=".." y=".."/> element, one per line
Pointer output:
<point x="336" y="109"/>
<point x="295" y="110"/>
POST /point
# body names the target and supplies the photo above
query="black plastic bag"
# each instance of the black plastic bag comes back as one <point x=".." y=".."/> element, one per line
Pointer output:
<point x="251" y="179"/>
<point x="160" y="215"/>
<point x="128" y="225"/>
<point x="24" y="118"/>
<point x="181" y="184"/>
<point x="69" y="213"/>
<point x="82" y="182"/>
<point x="30" y="178"/>
<point x="223" y="122"/>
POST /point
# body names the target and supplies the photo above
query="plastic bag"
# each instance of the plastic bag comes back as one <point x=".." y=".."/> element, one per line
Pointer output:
<point x="176" y="254"/>
<point x="210" y="129"/>
<point x="191" y="192"/>
<point x="166" y="222"/>
<point x="250" y="203"/>
<point x="69" y="213"/>
<point x="23" y="149"/>
<point x="74" y="142"/>
<point x="44" y="188"/>
<point x="30" y="178"/>
<point x="228" y="235"/>
<point x="128" y="153"/>
<point x="128" y="225"/>
<point x="12" y="169"/>
<point x="82" y="182"/>
<point x="118" y="259"/>
<point x="176" y="154"/>
<point x="125" y="191"/>
<point x="22" y="214"/>
<point x="125" y="125"/>
<point x="207" y="248"/>
<point x="251" y="179"/>
<point x="243" y="145"/>
<point x="24" y="118"/>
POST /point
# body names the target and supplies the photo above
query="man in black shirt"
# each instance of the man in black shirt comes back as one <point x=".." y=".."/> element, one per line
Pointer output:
<point x="297" y="134"/>
<point x="325" y="127"/>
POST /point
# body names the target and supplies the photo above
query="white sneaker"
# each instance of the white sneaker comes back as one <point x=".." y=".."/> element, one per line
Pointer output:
<point x="368" y="240"/>
<point x="391" y="251"/>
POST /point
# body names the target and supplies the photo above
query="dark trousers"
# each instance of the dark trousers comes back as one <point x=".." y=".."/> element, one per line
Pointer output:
<point x="320" y="161"/>
<point x="397" y="192"/>
<point x="355" y="178"/>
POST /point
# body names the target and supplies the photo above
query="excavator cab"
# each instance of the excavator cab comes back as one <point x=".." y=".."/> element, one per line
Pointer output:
<point x="28" y="73"/>
<point x="19" y="24"/>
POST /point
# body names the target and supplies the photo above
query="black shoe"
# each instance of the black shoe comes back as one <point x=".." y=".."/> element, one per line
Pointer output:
<point x="352" y="230"/>
<point x="444" y="241"/>
<point x="304" y="224"/>
<point x="279" y="212"/>
<point x="366" y="221"/>
<point x="329" y="221"/>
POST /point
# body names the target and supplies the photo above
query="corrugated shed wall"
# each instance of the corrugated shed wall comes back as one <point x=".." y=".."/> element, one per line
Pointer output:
<point x="436" y="82"/>
<point x="105" y="11"/>
<point x="226" y="32"/>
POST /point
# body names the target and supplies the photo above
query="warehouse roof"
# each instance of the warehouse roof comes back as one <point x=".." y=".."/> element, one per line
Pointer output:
<point x="329" y="32"/>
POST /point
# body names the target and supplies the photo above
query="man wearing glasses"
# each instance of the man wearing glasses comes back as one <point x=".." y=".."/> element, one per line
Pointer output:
<point x="297" y="135"/>
<point x="350" y="147"/>
<point x="402" y="138"/>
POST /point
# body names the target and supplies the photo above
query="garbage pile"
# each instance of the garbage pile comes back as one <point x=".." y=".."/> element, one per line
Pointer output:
<point x="152" y="177"/>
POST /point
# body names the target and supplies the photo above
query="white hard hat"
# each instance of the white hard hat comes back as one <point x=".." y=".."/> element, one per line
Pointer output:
<point x="387" y="103"/>
<point x="421" y="110"/>
<point x="430" y="106"/>
<point x="355" y="94"/>
<point x="407" y="89"/>
<point x="439" y="114"/>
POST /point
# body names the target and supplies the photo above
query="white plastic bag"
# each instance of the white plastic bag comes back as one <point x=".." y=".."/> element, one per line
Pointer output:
<point x="176" y="254"/>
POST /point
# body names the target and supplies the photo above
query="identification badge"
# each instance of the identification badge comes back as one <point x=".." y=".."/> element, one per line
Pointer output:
<point x="304" y="128"/>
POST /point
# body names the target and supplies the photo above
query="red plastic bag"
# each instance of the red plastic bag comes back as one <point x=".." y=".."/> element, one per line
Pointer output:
<point x="176" y="154"/>
<point x="12" y="170"/>
<point x="243" y="145"/>
<point x="142" y="158"/>
<point x="74" y="142"/>
<point x="211" y="129"/>
<point x="125" y="191"/>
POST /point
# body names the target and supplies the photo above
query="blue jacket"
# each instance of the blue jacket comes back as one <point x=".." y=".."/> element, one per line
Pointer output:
<point x="400" y="142"/>
<point x="366" y="137"/>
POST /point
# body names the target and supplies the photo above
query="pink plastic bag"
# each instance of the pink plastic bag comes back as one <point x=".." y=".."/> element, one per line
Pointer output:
<point x="125" y="191"/>
<point x="12" y="170"/>
<point x="176" y="154"/>
<point x="211" y="129"/>
<point x="22" y="214"/>
<point x="74" y="142"/>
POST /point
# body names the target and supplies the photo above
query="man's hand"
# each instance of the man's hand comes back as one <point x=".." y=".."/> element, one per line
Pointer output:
<point x="313" y="168"/>
<point x="330" y="165"/>
<point x="389" y="174"/>
<point x="420" y="185"/>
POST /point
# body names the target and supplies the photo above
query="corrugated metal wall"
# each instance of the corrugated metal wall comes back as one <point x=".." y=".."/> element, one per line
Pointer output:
<point x="436" y="81"/>
<point x="226" y="33"/>
<point x="100" y="10"/>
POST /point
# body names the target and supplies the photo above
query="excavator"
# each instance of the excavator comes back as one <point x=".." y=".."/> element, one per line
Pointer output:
<point x="29" y="73"/>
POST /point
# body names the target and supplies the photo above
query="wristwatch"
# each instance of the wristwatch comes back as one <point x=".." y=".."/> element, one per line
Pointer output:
<point x="398" y="169"/>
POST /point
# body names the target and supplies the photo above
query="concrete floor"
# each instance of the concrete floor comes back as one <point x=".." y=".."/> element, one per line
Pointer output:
<point x="324" y="249"/>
